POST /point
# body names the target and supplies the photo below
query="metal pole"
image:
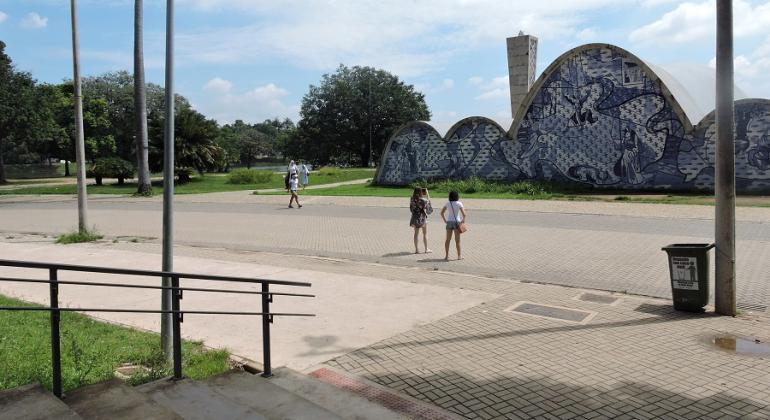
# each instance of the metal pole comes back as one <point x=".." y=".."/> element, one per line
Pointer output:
<point x="80" y="149"/>
<point x="371" y="150"/>
<point x="55" y="336"/>
<point x="177" y="296"/>
<point x="725" y="164"/>
<point x="168" y="185"/>
<point x="266" y="321"/>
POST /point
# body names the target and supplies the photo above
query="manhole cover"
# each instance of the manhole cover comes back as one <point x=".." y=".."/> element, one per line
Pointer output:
<point x="740" y="345"/>
<point x="596" y="298"/>
<point x="553" y="312"/>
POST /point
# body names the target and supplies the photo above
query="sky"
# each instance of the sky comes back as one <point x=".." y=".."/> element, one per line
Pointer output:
<point x="255" y="59"/>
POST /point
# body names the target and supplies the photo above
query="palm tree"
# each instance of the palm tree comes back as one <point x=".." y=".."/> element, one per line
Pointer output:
<point x="140" y="105"/>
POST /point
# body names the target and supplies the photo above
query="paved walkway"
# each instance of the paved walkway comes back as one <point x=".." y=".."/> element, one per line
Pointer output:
<point x="465" y="350"/>
<point x="607" y="246"/>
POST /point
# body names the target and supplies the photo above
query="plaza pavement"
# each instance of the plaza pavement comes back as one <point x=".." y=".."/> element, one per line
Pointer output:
<point x="450" y="339"/>
<point x="605" y="246"/>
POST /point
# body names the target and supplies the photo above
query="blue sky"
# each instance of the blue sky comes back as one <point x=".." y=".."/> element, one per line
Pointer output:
<point x="254" y="59"/>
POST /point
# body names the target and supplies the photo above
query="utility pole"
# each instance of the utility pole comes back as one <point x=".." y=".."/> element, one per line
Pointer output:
<point x="80" y="148"/>
<point x="725" y="164"/>
<point x="168" y="186"/>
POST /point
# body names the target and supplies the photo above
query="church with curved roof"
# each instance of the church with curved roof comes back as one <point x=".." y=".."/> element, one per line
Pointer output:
<point x="597" y="116"/>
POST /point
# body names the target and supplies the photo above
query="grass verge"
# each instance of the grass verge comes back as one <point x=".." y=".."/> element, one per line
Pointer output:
<point x="78" y="237"/>
<point x="200" y="184"/>
<point x="530" y="190"/>
<point x="91" y="350"/>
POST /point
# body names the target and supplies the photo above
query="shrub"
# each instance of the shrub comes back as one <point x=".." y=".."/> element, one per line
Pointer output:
<point x="478" y="185"/>
<point x="183" y="175"/>
<point x="249" y="176"/>
<point x="112" y="167"/>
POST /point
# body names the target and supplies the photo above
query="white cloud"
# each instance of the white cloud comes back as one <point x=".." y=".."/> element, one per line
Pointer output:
<point x="3" y="17"/>
<point x="496" y="88"/>
<point x="402" y="36"/>
<point x="34" y="21"/>
<point x="588" y="35"/>
<point x="751" y="70"/>
<point x="693" y="21"/>
<point x="218" y="85"/>
<point x="255" y="105"/>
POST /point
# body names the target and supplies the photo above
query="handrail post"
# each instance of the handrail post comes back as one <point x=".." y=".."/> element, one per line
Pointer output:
<point x="267" y="319"/>
<point x="55" y="334"/>
<point x="176" y="296"/>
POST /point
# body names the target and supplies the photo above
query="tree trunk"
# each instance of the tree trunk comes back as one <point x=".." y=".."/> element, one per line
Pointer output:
<point x="67" y="168"/>
<point x="140" y="105"/>
<point x="3" y="179"/>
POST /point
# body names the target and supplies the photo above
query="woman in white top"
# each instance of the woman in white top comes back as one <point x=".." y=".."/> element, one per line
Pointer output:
<point x="453" y="214"/>
<point x="293" y="169"/>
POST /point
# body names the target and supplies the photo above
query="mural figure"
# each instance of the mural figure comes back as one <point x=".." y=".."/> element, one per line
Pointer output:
<point x="596" y="116"/>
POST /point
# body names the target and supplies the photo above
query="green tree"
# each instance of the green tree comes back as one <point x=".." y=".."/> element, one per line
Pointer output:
<point x="350" y="109"/>
<point x="24" y="118"/>
<point x="195" y="138"/>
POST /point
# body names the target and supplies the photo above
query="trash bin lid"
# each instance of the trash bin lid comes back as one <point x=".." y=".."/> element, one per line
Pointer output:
<point x="704" y="247"/>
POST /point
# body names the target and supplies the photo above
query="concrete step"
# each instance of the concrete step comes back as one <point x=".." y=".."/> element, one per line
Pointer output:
<point x="33" y="402"/>
<point x="193" y="400"/>
<point x="345" y="404"/>
<point x="114" y="400"/>
<point x="262" y="395"/>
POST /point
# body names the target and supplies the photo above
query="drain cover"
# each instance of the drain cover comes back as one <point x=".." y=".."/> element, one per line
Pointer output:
<point x="553" y="312"/>
<point x="596" y="298"/>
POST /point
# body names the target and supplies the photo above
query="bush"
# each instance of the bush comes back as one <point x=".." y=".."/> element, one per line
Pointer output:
<point x="113" y="167"/>
<point x="249" y="176"/>
<point x="183" y="175"/>
<point x="478" y="185"/>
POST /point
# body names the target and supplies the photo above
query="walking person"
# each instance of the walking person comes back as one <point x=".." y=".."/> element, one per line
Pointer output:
<point x="453" y="215"/>
<point x="293" y="182"/>
<point x="420" y="207"/>
<point x="304" y="173"/>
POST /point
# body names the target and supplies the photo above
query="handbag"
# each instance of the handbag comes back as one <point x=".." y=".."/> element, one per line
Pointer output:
<point x="461" y="228"/>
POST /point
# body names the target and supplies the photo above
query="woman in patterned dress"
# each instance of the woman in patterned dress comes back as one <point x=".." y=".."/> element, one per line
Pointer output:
<point x="420" y="207"/>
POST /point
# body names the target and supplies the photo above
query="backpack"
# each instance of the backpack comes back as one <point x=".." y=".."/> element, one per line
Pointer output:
<point x="286" y="179"/>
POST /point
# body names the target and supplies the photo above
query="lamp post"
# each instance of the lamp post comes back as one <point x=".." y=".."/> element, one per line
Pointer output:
<point x="724" y="282"/>
<point x="166" y="324"/>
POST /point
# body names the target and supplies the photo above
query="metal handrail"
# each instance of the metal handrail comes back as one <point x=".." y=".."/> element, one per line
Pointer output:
<point x="141" y="286"/>
<point x="175" y="312"/>
<point x="147" y="273"/>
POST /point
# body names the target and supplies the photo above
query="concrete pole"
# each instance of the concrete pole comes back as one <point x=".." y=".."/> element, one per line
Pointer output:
<point x="80" y="148"/>
<point x="725" y="164"/>
<point x="168" y="186"/>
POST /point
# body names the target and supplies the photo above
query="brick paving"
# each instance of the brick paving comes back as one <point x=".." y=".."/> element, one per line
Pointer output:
<point x="638" y="359"/>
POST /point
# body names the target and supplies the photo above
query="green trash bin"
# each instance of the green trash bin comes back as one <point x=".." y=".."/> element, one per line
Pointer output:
<point x="688" y="265"/>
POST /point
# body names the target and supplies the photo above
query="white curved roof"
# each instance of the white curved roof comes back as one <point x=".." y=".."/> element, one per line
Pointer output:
<point x="693" y="85"/>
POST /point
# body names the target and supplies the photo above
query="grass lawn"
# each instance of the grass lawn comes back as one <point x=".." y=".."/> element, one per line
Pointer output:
<point x="91" y="350"/>
<point x="368" y="190"/>
<point x="200" y="184"/>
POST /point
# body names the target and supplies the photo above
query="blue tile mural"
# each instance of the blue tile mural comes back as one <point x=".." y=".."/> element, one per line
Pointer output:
<point x="597" y="116"/>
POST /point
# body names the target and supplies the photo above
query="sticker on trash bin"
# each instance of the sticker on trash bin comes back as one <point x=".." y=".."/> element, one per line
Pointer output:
<point x="684" y="273"/>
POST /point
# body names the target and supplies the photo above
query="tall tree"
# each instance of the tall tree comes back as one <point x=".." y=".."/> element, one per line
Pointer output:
<point x="349" y="116"/>
<point x="140" y="105"/>
<point x="22" y="115"/>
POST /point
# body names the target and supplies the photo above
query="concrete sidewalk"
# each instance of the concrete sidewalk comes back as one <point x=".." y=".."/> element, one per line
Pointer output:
<point x="351" y="310"/>
<point x="462" y="343"/>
